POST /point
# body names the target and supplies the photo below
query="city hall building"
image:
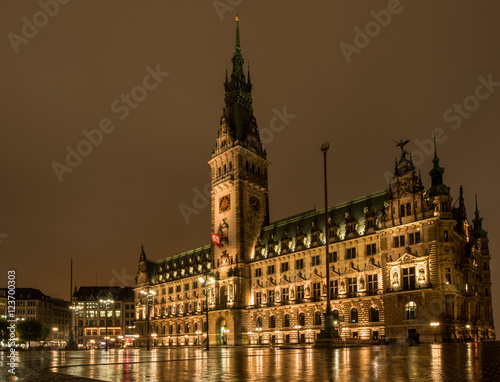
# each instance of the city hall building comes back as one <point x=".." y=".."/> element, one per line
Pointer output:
<point x="403" y="261"/>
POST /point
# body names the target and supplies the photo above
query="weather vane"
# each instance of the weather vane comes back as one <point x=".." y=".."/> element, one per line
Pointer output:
<point x="401" y="144"/>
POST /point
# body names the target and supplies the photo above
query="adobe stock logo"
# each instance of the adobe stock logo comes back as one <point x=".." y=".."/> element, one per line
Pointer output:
<point x="30" y="28"/>
<point x="121" y="106"/>
<point x="3" y="236"/>
<point x="483" y="91"/>
<point x="363" y="38"/>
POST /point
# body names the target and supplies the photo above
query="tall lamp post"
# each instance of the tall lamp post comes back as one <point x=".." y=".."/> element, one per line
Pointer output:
<point x="149" y="293"/>
<point x="435" y="325"/>
<point x="75" y="308"/>
<point x="329" y="329"/>
<point x="207" y="279"/>
<point x="106" y="302"/>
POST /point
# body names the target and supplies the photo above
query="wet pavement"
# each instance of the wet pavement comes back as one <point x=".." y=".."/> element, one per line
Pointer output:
<point x="427" y="362"/>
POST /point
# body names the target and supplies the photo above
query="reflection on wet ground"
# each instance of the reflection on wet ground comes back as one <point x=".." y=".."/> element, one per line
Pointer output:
<point x="427" y="362"/>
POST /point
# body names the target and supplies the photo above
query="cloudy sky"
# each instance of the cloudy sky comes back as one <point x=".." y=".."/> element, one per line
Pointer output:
<point x="357" y="74"/>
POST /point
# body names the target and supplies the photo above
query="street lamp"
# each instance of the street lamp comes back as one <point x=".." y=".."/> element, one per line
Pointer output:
<point x="298" y="333"/>
<point x="75" y="308"/>
<point x="149" y="293"/>
<point x="106" y="302"/>
<point x="258" y="332"/>
<point x="435" y="325"/>
<point x="207" y="279"/>
<point x="198" y="332"/>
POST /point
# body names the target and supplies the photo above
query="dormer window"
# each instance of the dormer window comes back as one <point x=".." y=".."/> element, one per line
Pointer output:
<point x="315" y="234"/>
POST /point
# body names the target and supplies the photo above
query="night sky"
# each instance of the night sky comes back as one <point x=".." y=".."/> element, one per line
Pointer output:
<point x="309" y="63"/>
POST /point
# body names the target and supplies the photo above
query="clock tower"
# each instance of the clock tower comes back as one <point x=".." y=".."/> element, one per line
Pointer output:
<point x="239" y="204"/>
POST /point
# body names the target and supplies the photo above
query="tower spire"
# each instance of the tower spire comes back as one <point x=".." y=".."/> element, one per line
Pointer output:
<point x="237" y="43"/>
<point x="438" y="187"/>
<point x="478" y="223"/>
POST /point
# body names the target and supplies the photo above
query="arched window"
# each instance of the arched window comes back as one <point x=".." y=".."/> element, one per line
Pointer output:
<point x="335" y="313"/>
<point x="179" y="328"/>
<point x="411" y="310"/>
<point x="374" y="314"/>
<point x="286" y="321"/>
<point x="186" y="328"/>
<point x="317" y="318"/>
<point x="302" y="319"/>
<point x="259" y="322"/>
<point x="195" y="326"/>
<point x="354" y="315"/>
<point x="171" y="329"/>
<point x="272" y="322"/>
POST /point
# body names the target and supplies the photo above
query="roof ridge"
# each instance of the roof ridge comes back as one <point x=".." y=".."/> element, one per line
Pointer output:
<point x="335" y="206"/>
<point x="182" y="254"/>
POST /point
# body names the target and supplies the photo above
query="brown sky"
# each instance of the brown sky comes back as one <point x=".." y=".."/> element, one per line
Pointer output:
<point x="127" y="192"/>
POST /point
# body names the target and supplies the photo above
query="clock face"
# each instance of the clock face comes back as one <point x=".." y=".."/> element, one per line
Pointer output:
<point x="254" y="203"/>
<point x="224" y="203"/>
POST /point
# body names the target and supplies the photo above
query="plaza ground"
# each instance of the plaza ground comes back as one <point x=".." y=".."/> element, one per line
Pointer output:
<point x="427" y="362"/>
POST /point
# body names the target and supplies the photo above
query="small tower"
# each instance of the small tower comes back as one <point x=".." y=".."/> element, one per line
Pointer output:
<point x="142" y="271"/>
<point x="439" y="193"/>
<point x="405" y="196"/>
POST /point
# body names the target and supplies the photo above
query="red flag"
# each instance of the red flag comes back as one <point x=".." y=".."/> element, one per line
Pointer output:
<point x="215" y="239"/>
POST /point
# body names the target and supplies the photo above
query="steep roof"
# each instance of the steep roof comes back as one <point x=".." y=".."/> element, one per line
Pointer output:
<point x="355" y="208"/>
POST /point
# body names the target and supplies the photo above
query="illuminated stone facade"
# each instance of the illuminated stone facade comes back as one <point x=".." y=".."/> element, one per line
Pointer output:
<point x="400" y="258"/>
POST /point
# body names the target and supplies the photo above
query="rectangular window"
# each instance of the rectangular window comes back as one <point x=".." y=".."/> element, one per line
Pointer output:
<point x="270" y="270"/>
<point x="334" y="288"/>
<point x="300" y="292"/>
<point x="352" y="283"/>
<point x="371" y="249"/>
<point x="299" y="264"/>
<point x="351" y="253"/>
<point x="258" y="272"/>
<point x="316" y="290"/>
<point x="332" y="256"/>
<point x="409" y="278"/>
<point x="414" y="238"/>
<point x="258" y="298"/>
<point x="171" y="290"/>
<point x="284" y="267"/>
<point x="399" y="241"/>
<point x="446" y="238"/>
<point x="195" y="284"/>
<point x="270" y="296"/>
<point x="447" y="275"/>
<point x="186" y="286"/>
<point x="178" y="288"/>
<point x="315" y="260"/>
<point x="284" y="294"/>
<point x="372" y="282"/>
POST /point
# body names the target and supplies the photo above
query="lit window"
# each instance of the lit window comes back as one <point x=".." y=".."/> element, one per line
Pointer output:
<point x="411" y="311"/>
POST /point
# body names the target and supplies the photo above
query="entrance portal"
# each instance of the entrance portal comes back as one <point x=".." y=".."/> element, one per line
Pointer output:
<point x="220" y="332"/>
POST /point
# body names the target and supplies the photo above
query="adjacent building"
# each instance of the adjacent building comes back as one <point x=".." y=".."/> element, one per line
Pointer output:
<point x="403" y="261"/>
<point x="3" y="304"/>
<point x="96" y="321"/>
<point x="53" y="313"/>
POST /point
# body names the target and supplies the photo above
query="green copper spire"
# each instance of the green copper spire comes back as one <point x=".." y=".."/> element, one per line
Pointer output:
<point x="237" y="44"/>
<point x="438" y="187"/>
<point x="238" y="110"/>
<point x="478" y="224"/>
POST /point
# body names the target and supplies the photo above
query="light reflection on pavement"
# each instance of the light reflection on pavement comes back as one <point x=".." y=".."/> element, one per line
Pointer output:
<point x="427" y="362"/>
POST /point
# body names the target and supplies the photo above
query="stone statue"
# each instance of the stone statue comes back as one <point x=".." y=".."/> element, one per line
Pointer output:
<point x="401" y="144"/>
